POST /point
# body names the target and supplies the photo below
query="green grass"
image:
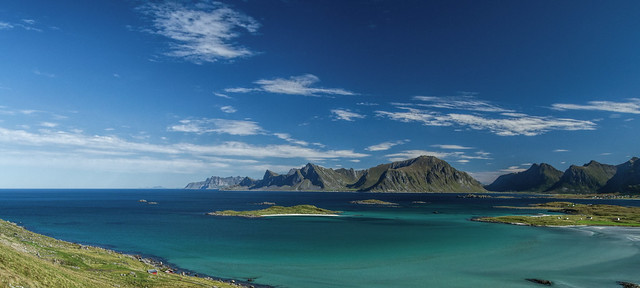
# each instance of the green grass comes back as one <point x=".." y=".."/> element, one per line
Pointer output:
<point x="373" y="202"/>
<point x="28" y="259"/>
<point x="275" y="210"/>
<point x="575" y="214"/>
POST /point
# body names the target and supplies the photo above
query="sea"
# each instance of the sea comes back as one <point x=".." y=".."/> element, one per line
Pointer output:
<point x="427" y="240"/>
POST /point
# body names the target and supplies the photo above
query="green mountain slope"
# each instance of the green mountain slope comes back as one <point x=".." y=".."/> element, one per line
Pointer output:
<point x="626" y="180"/>
<point x="589" y="178"/>
<point x="422" y="174"/>
<point x="538" y="178"/>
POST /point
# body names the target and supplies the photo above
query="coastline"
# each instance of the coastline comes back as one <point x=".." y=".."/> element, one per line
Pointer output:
<point x="298" y="215"/>
<point x="25" y="250"/>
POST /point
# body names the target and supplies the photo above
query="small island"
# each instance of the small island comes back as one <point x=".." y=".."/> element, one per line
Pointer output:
<point x="572" y="215"/>
<point x="298" y="210"/>
<point x="373" y="202"/>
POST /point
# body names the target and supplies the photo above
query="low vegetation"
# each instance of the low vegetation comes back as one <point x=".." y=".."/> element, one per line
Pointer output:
<point x="28" y="259"/>
<point x="573" y="214"/>
<point x="277" y="210"/>
<point x="373" y="202"/>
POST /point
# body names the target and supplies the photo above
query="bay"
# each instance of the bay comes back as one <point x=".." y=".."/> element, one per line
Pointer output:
<point x="432" y="244"/>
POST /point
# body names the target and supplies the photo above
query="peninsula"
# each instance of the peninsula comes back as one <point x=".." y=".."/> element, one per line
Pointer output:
<point x="298" y="210"/>
<point x="572" y="215"/>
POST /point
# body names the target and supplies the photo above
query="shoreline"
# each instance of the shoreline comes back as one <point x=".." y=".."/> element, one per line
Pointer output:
<point x="163" y="267"/>
<point x="303" y="215"/>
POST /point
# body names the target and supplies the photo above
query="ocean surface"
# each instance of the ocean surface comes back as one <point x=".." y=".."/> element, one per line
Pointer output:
<point x="369" y="246"/>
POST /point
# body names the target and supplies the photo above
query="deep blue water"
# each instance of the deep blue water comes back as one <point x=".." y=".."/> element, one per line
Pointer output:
<point x="369" y="246"/>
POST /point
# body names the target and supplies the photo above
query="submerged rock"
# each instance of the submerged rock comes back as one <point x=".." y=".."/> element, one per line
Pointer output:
<point x="540" y="281"/>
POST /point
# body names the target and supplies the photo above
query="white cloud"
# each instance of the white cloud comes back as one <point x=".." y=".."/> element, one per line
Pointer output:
<point x="367" y="104"/>
<point x="561" y="150"/>
<point x="294" y="85"/>
<point x="203" y="32"/>
<point x="463" y="161"/>
<point x="233" y="127"/>
<point x="40" y="73"/>
<point x="385" y="145"/>
<point x="61" y="144"/>
<point x="513" y="124"/>
<point x="228" y="109"/>
<point x="5" y="26"/>
<point x="469" y="103"/>
<point x="345" y="114"/>
<point x="632" y="106"/>
<point x="287" y="137"/>
<point x="451" y="147"/>
<point x="240" y="90"/>
<point x="222" y="95"/>
<point x="48" y="124"/>
<point x="513" y="169"/>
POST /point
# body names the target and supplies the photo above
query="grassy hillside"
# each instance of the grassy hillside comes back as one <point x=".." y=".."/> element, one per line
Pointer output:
<point x="28" y="259"/>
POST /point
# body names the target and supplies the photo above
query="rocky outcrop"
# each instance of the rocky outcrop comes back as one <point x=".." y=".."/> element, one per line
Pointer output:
<point x="215" y="182"/>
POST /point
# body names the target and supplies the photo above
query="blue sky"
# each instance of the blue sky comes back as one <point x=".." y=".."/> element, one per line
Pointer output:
<point x="110" y="94"/>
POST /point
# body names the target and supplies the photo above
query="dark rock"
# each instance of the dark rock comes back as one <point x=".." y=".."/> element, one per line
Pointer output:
<point x="628" y="284"/>
<point x="540" y="281"/>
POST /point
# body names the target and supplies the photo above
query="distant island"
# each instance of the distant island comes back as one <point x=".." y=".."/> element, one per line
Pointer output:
<point x="430" y="174"/>
<point x="298" y="210"/>
<point x="573" y="215"/>
<point x="422" y="174"/>
<point x="373" y="202"/>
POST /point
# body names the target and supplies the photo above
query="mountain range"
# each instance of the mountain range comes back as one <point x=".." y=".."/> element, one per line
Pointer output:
<point x="215" y="182"/>
<point x="430" y="174"/>
<point x="422" y="174"/>
<point x="592" y="177"/>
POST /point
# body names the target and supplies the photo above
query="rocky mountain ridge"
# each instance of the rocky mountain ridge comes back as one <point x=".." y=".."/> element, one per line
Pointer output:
<point x="422" y="174"/>
<point x="215" y="182"/>
<point x="593" y="177"/>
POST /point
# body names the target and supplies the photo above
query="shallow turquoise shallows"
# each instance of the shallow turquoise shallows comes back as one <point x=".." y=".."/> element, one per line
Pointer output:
<point x="432" y="244"/>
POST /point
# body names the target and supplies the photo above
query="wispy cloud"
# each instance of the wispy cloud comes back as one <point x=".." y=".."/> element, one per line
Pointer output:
<point x="26" y="24"/>
<point x="45" y="74"/>
<point x="510" y="124"/>
<point x="54" y="146"/>
<point x="228" y="109"/>
<point x="5" y="26"/>
<point x="222" y="95"/>
<point x="386" y="145"/>
<point x="233" y="127"/>
<point x="288" y="138"/>
<point x="560" y="150"/>
<point x="346" y="114"/>
<point x="294" y="85"/>
<point x="202" y="32"/>
<point x="631" y="106"/>
<point x="451" y="147"/>
<point x="469" y="103"/>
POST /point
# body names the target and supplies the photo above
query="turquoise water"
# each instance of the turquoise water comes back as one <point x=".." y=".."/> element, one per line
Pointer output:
<point x="408" y="245"/>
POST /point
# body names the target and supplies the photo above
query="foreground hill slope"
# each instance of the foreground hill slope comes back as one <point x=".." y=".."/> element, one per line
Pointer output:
<point x="28" y="259"/>
<point x="422" y="174"/>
